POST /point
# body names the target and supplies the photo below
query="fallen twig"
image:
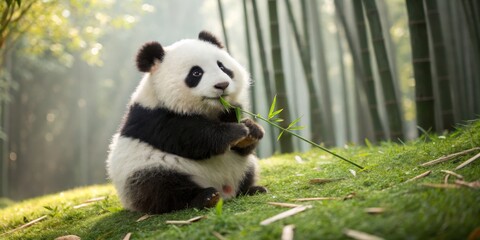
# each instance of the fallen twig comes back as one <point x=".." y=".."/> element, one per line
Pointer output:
<point x="449" y="157"/>
<point x="419" y="176"/>
<point x="144" y="217"/>
<point x="279" y="204"/>
<point x="452" y="173"/>
<point x="287" y="232"/>
<point x="468" y="161"/>
<point x="360" y="235"/>
<point x="26" y="225"/>
<point x="82" y="205"/>
<point x="350" y="196"/>
<point x="374" y="210"/>
<point x="285" y="214"/>
<point x="475" y="184"/>
<point x="68" y="237"/>
<point x="218" y="236"/>
<point x="440" y="185"/>
<point x="316" y="199"/>
<point x="185" y="222"/>
<point x="97" y="199"/>
<point x="324" y="180"/>
<point x="127" y="237"/>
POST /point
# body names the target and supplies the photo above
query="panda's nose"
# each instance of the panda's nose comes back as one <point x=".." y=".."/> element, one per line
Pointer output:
<point x="222" y="85"/>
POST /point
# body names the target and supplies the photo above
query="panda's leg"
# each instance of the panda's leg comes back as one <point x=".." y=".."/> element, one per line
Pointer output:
<point x="247" y="186"/>
<point x="159" y="190"/>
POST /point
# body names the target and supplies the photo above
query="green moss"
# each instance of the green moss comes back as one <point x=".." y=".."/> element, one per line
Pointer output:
<point x="413" y="211"/>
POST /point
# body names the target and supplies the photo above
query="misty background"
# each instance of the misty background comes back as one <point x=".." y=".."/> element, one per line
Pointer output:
<point x="347" y="68"/>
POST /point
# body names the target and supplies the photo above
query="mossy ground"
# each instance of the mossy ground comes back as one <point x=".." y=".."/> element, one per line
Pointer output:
<point x="413" y="211"/>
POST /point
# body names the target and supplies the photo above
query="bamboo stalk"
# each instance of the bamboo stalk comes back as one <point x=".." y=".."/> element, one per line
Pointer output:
<point x="286" y="144"/>
<point x="392" y="105"/>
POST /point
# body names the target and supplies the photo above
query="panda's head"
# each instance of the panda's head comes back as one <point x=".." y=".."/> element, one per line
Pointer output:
<point x="189" y="76"/>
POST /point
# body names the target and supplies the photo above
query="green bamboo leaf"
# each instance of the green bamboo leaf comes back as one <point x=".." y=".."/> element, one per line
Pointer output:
<point x="278" y="120"/>
<point x="219" y="207"/>
<point x="18" y="2"/>
<point x="293" y="122"/>
<point x="225" y="104"/>
<point x="272" y="108"/>
<point x="238" y="114"/>
<point x="296" y="128"/>
<point x="280" y="135"/>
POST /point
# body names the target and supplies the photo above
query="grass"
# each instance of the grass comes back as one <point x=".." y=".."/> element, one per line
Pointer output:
<point x="413" y="211"/>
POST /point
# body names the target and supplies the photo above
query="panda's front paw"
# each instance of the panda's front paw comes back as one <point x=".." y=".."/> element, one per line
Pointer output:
<point x="255" y="133"/>
<point x="238" y="133"/>
<point x="254" y="130"/>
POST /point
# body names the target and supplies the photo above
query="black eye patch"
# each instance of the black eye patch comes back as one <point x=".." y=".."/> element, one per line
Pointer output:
<point x="225" y="70"/>
<point x="194" y="76"/>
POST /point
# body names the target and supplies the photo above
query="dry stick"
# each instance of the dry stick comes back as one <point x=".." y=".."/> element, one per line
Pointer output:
<point x="360" y="235"/>
<point x="26" y="225"/>
<point x="436" y="185"/>
<point x="445" y="180"/>
<point x="316" y="199"/>
<point x="452" y="173"/>
<point x="420" y="176"/>
<point x="468" y="184"/>
<point x="279" y="204"/>
<point x="285" y="214"/>
<point x="287" y="232"/>
<point x="218" y="236"/>
<point x="95" y="199"/>
<point x="185" y="222"/>
<point x="374" y="210"/>
<point x="127" y="237"/>
<point x="144" y="217"/>
<point x="449" y="157"/>
<point x="468" y="161"/>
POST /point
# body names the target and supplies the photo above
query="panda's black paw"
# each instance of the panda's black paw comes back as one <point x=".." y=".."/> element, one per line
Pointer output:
<point x="256" y="190"/>
<point x="208" y="198"/>
<point x="254" y="130"/>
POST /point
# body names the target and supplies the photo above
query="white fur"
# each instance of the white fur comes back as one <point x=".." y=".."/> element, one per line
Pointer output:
<point x="130" y="155"/>
<point x="165" y="85"/>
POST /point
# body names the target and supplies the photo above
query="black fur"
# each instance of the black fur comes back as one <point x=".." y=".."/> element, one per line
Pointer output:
<point x="192" y="136"/>
<point x="160" y="190"/>
<point x="208" y="37"/>
<point x="147" y="55"/>
<point x="225" y="69"/>
<point x="246" y="186"/>
<point x="192" y="80"/>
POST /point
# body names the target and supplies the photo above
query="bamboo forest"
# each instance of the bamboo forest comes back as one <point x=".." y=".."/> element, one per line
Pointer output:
<point x="355" y="73"/>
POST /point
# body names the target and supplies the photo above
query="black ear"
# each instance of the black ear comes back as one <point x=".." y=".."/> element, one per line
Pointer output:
<point x="147" y="55"/>
<point x="208" y="37"/>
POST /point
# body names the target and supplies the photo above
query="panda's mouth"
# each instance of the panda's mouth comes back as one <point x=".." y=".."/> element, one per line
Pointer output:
<point x="217" y="98"/>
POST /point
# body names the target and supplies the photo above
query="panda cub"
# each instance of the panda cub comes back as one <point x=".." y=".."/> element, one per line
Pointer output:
<point x="177" y="147"/>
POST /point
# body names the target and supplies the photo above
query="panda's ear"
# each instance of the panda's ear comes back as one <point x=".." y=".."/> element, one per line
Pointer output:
<point x="147" y="55"/>
<point x="208" y="37"/>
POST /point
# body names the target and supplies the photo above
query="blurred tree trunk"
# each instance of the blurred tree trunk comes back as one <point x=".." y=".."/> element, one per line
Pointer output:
<point x="326" y="106"/>
<point x="369" y="82"/>
<point x="346" y="94"/>
<point x="363" y="112"/>
<point x="471" y="9"/>
<point x="251" y="67"/>
<point x="319" y="130"/>
<point x="392" y="105"/>
<point x="286" y="144"/>
<point x="421" y="65"/>
<point x="269" y="86"/>
<point x="222" y="21"/>
<point x="442" y="75"/>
